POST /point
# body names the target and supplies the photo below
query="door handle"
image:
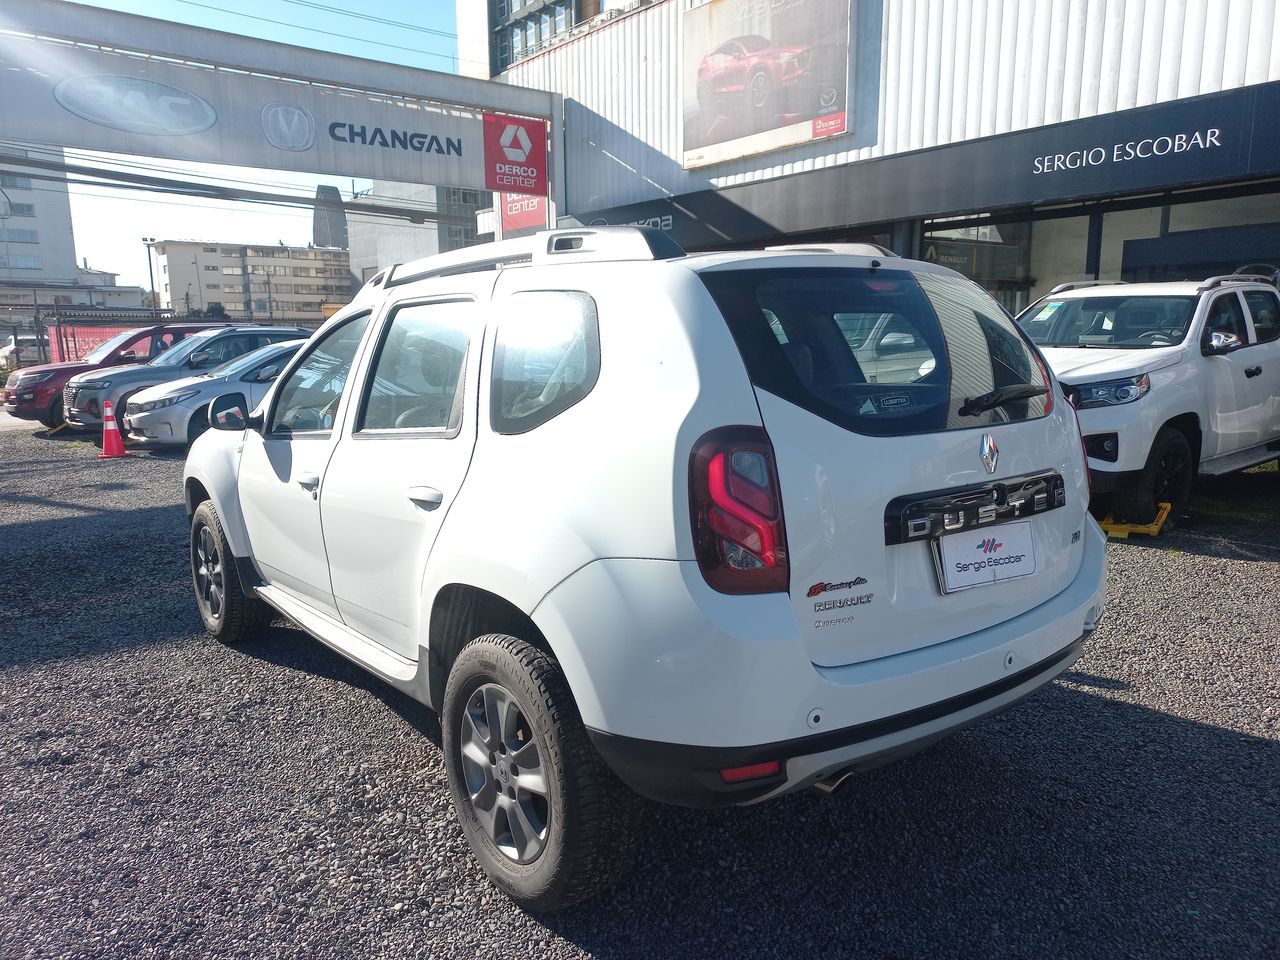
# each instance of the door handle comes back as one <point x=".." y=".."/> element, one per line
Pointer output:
<point x="1252" y="371"/>
<point x="426" y="497"/>
<point x="309" y="481"/>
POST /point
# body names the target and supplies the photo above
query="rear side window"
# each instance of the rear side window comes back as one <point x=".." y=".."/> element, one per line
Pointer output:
<point x="883" y="352"/>
<point x="545" y="359"/>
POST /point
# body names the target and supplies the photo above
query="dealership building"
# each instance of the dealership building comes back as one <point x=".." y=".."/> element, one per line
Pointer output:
<point x="1021" y="143"/>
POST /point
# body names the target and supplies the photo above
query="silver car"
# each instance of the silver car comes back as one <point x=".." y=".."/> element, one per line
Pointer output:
<point x="175" y="412"/>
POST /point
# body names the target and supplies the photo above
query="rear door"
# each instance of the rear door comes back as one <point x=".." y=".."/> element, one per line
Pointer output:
<point x="394" y="477"/>
<point x="908" y="521"/>
<point x="1264" y="314"/>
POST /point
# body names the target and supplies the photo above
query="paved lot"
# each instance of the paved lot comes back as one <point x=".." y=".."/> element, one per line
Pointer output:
<point x="161" y="795"/>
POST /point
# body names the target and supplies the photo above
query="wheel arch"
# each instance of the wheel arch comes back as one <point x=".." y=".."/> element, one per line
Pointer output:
<point x="461" y="612"/>
<point x="1188" y="424"/>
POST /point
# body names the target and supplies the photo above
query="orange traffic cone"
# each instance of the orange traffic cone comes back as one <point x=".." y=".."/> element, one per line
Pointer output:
<point x="112" y="441"/>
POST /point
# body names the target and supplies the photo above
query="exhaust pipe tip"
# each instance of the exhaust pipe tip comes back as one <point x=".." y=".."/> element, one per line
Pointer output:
<point x="829" y="785"/>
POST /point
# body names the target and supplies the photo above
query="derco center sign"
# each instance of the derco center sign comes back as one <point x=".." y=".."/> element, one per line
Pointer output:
<point x="515" y="155"/>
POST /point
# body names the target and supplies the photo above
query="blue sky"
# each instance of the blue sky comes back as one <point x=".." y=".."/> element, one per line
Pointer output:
<point x="108" y="223"/>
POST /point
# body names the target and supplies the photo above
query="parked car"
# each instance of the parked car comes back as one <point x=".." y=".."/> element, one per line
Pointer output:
<point x="632" y="520"/>
<point x="1170" y="380"/>
<point x="177" y="412"/>
<point x="35" y="393"/>
<point x="85" y="394"/>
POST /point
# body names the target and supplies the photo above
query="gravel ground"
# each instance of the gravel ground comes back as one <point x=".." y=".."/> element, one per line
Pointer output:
<point x="161" y="795"/>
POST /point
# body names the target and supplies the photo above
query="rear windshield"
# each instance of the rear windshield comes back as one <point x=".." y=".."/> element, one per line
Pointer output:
<point x="1128" y="322"/>
<point x="881" y="352"/>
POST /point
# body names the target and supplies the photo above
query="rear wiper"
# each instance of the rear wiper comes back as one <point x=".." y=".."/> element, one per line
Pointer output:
<point x="1000" y="396"/>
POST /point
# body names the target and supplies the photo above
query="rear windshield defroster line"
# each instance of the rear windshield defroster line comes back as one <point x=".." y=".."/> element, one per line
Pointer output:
<point x="879" y="352"/>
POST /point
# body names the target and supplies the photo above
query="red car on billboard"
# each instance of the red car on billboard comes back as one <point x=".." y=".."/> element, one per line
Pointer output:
<point x="751" y="78"/>
<point x="35" y="393"/>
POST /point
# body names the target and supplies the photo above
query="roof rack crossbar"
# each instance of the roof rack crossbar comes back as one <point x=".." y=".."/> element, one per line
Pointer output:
<point x="1212" y="282"/>
<point x="588" y="244"/>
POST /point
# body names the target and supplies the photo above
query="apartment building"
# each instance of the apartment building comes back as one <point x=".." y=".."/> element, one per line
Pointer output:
<point x="250" y="281"/>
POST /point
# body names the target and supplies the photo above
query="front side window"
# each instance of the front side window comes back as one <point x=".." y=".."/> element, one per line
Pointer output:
<point x="417" y="381"/>
<point x="1265" y="308"/>
<point x="308" y="400"/>
<point x="881" y="352"/>
<point x="1128" y="323"/>
<point x="546" y="358"/>
<point x="1225" y="316"/>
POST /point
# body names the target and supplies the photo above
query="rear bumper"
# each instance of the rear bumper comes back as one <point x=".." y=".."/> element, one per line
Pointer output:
<point x="690" y="776"/>
<point x="676" y="690"/>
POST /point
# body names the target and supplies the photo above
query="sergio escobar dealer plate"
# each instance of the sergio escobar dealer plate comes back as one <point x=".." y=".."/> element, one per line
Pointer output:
<point x="977" y="557"/>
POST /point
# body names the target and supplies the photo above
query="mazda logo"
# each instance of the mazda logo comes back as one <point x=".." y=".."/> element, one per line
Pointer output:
<point x="135" y="105"/>
<point x="288" y="127"/>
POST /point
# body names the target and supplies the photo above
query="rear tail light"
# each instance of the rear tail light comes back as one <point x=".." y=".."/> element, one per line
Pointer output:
<point x="736" y="510"/>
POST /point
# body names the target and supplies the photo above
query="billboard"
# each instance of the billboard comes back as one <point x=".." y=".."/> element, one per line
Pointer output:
<point x="762" y="74"/>
<point x="520" y="213"/>
<point x="81" y="97"/>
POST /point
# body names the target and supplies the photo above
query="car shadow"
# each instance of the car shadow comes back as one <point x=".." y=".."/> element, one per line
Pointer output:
<point x="1072" y="826"/>
<point x="1232" y="517"/>
<point x="286" y="645"/>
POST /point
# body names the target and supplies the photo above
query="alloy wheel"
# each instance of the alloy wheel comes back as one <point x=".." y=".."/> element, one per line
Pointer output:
<point x="207" y="566"/>
<point x="505" y="779"/>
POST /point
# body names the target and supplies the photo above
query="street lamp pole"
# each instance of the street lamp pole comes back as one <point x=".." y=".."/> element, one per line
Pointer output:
<point x="148" y="241"/>
<point x="199" y="281"/>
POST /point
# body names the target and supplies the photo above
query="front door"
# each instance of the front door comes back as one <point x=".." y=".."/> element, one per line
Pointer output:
<point x="282" y="467"/>
<point x="1237" y="404"/>
<point x="394" y="476"/>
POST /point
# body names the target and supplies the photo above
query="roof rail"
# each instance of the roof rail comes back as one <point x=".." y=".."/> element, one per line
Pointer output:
<point x="584" y="245"/>
<point x="1236" y="278"/>
<point x="1081" y="284"/>
<point x="855" y="249"/>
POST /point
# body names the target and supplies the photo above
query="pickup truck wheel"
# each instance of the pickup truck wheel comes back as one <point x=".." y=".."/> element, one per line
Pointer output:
<point x="546" y="819"/>
<point x="228" y="615"/>
<point x="1165" y="479"/>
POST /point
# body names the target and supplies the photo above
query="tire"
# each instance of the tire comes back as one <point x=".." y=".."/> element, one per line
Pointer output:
<point x="117" y="411"/>
<point x="197" y="425"/>
<point x="52" y="418"/>
<point x="1166" y="477"/>
<point x="571" y="839"/>
<point x="229" y="616"/>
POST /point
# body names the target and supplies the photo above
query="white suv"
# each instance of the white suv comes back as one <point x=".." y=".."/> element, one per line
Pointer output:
<point x="1169" y="379"/>
<point x="632" y="520"/>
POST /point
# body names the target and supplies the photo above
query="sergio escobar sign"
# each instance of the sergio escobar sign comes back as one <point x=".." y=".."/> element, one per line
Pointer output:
<point x="76" y="97"/>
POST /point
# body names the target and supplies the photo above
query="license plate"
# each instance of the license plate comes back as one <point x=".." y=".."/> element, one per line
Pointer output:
<point x="975" y="558"/>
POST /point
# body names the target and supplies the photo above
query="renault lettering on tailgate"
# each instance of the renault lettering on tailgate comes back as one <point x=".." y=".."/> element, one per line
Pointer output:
<point x="1002" y="552"/>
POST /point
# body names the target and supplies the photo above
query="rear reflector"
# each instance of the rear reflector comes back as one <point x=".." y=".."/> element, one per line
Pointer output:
<point x="756" y="771"/>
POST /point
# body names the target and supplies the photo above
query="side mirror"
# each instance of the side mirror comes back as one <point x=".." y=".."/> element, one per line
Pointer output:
<point x="229" y="412"/>
<point x="201" y="358"/>
<point x="1220" y="343"/>
<point x="267" y="374"/>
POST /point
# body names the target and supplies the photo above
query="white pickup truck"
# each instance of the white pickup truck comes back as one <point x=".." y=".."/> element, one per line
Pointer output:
<point x="1169" y="380"/>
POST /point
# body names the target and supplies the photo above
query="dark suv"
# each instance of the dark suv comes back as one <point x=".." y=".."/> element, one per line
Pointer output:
<point x="35" y="393"/>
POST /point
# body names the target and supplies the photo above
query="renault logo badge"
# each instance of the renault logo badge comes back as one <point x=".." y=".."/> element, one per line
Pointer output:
<point x="990" y="453"/>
